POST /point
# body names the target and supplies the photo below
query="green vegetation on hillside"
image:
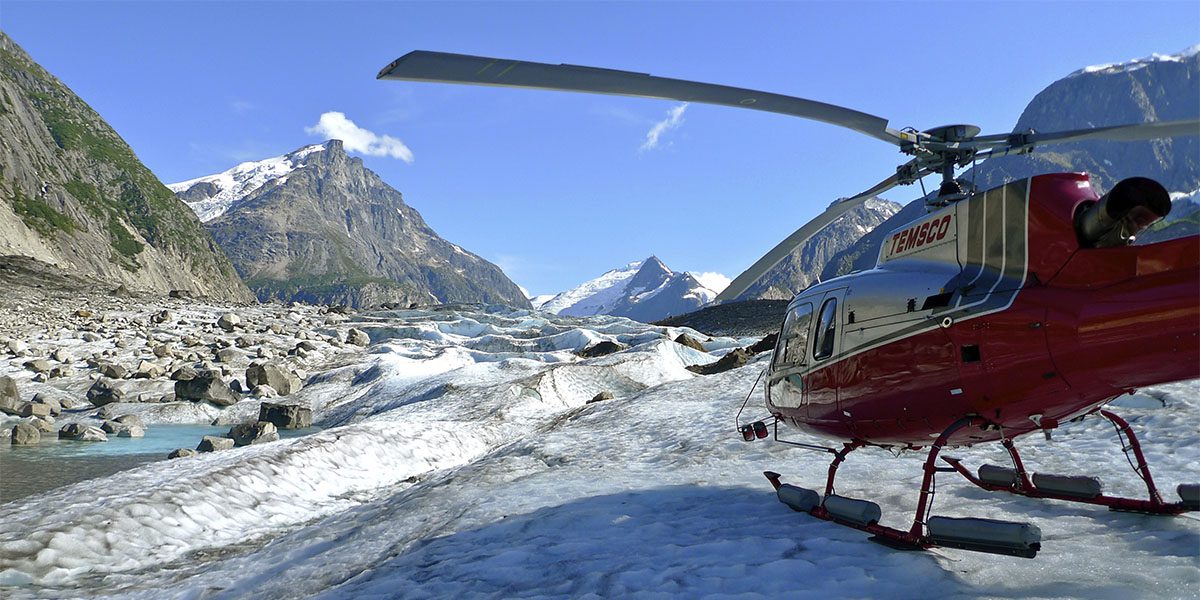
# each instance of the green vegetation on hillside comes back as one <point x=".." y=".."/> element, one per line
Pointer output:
<point x="38" y="215"/>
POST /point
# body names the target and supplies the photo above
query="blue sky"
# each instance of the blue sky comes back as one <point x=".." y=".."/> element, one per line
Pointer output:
<point x="557" y="188"/>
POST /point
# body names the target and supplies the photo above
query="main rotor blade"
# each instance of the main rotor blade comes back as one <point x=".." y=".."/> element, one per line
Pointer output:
<point x="1018" y="142"/>
<point x="799" y="237"/>
<point x="444" y="67"/>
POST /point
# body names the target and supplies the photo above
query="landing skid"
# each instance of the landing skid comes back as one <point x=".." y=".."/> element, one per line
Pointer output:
<point x="979" y="535"/>
<point x="1086" y="490"/>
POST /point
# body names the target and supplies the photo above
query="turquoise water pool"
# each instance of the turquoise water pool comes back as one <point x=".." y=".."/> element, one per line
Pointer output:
<point x="53" y="463"/>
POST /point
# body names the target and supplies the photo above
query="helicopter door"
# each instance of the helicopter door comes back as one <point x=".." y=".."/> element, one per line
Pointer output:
<point x="785" y="388"/>
<point x="825" y="343"/>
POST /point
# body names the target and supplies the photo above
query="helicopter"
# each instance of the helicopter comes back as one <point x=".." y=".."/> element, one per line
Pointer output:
<point x="996" y="314"/>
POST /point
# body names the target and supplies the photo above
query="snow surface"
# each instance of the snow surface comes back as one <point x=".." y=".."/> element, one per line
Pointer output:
<point x="240" y="181"/>
<point x="1140" y="63"/>
<point x="463" y="459"/>
<point x="592" y="296"/>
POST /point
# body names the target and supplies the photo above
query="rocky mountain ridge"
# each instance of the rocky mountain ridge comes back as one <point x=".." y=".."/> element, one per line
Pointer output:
<point x="73" y="195"/>
<point x="1158" y="88"/>
<point x="317" y="226"/>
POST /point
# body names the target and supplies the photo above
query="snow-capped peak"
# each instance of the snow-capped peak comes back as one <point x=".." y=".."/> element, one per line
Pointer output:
<point x="238" y="182"/>
<point x="645" y="290"/>
<point x="594" y="294"/>
<point x="1139" y="63"/>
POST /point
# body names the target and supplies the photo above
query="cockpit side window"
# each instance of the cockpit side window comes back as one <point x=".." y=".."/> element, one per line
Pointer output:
<point x="826" y="328"/>
<point x="793" y="337"/>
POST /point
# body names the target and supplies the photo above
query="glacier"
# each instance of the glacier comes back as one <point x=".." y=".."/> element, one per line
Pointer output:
<point x="463" y="456"/>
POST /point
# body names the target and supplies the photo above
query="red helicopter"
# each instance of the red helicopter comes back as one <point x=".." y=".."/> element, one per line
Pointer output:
<point x="996" y="314"/>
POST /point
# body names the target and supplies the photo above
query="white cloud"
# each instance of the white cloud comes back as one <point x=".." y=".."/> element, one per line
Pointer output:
<point x="713" y="281"/>
<point x="335" y="125"/>
<point x="674" y="119"/>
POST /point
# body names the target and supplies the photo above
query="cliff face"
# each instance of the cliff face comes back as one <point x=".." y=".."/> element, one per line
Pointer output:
<point x="317" y="226"/>
<point x="74" y="195"/>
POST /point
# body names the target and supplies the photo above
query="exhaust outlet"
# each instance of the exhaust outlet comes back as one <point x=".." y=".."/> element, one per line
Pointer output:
<point x="1129" y="208"/>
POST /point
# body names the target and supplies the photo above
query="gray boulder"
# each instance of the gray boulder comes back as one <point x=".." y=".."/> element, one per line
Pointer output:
<point x="181" y="453"/>
<point x="38" y="365"/>
<point x="10" y="398"/>
<point x="207" y="386"/>
<point x="82" y="433"/>
<point x="601" y="349"/>
<point x="228" y="355"/>
<point x="25" y="434"/>
<point x="358" y="337"/>
<point x="282" y="380"/>
<point x="254" y="433"/>
<point x="30" y="409"/>
<point x="285" y="416"/>
<point x="739" y="357"/>
<point x="130" y="421"/>
<point x="133" y="431"/>
<point x="112" y="427"/>
<point x="114" y="371"/>
<point x="52" y="404"/>
<point x="43" y="424"/>
<point x="104" y="392"/>
<point x="212" y="443"/>
<point x="229" y="321"/>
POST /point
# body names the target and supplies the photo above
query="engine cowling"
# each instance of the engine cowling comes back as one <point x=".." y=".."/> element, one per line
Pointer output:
<point x="1128" y="209"/>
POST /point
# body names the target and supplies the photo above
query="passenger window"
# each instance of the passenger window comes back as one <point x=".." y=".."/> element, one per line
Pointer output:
<point x="793" y="337"/>
<point x="823" y="345"/>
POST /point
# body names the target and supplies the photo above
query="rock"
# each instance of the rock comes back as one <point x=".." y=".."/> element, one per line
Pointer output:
<point x="112" y="427"/>
<point x="62" y="371"/>
<point x="9" y="396"/>
<point x="212" y="443"/>
<point x="43" y="424"/>
<point x="228" y="355"/>
<point x="30" y="409"/>
<point x="207" y="386"/>
<point x="265" y="391"/>
<point x="84" y="313"/>
<point x="602" y="396"/>
<point x="183" y="373"/>
<point x="54" y="406"/>
<point x="601" y="349"/>
<point x="254" y="433"/>
<point x="104" y="392"/>
<point x="180" y="294"/>
<point x="38" y="365"/>
<point x="90" y="337"/>
<point x="149" y="370"/>
<point x="113" y="370"/>
<point x="82" y="433"/>
<point x="306" y="345"/>
<point x="133" y="431"/>
<point x="70" y="403"/>
<point x="689" y="341"/>
<point x="25" y="434"/>
<point x="162" y="316"/>
<point x="190" y="341"/>
<point x="276" y="328"/>
<point x="285" y="416"/>
<point x="283" y="381"/>
<point x="358" y="337"/>
<point x="130" y="421"/>
<point x="243" y="342"/>
<point x="62" y="356"/>
<point x="181" y="453"/>
<point x="737" y="358"/>
<point x="765" y="344"/>
<point x="17" y="347"/>
<point x="228" y="321"/>
<point x="163" y="350"/>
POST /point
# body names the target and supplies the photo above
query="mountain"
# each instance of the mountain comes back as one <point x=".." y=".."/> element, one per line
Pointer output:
<point x="802" y="267"/>
<point x="643" y="291"/>
<point x="74" y="195"/>
<point x="1161" y="87"/>
<point x="317" y="226"/>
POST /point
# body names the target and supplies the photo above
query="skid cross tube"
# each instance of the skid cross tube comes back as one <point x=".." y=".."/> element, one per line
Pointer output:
<point x="1024" y="485"/>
